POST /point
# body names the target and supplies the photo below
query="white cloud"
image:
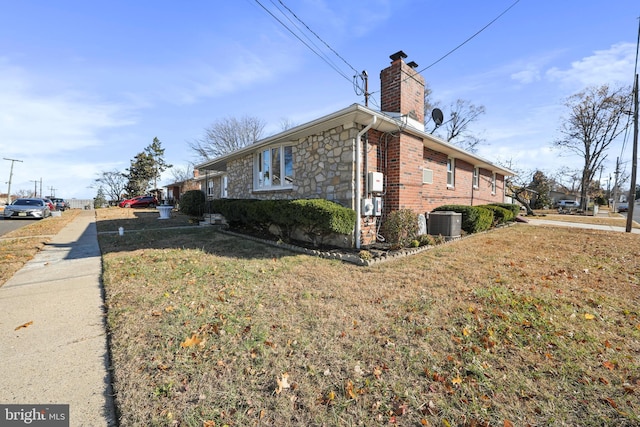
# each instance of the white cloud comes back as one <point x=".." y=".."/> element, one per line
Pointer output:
<point x="613" y="66"/>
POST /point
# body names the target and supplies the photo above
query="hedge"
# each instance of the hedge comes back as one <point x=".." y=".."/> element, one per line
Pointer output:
<point x="317" y="217"/>
<point x="500" y="214"/>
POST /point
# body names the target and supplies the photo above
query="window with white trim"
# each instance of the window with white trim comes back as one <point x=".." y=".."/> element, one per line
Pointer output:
<point x="493" y="183"/>
<point x="274" y="168"/>
<point x="225" y="185"/>
<point x="476" y="177"/>
<point x="210" y="188"/>
<point x="451" y="172"/>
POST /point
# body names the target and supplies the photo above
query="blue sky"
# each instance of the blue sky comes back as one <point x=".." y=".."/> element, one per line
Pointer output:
<point x="86" y="85"/>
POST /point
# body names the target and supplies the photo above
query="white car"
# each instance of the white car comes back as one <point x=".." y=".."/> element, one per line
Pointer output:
<point x="27" y="208"/>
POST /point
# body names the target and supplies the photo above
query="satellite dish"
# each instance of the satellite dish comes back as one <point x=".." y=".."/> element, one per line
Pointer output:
<point x="437" y="116"/>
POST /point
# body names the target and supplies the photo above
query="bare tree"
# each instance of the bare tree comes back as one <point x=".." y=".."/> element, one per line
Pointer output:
<point x="181" y="174"/>
<point x="112" y="183"/>
<point x="456" y="127"/>
<point x="286" y="124"/>
<point x="594" y="121"/>
<point x="227" y="135"/>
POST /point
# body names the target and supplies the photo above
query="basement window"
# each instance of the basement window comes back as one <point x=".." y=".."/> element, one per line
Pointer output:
<point x="274" y="168"/>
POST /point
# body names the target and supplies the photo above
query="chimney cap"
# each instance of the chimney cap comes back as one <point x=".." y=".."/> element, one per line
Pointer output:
<point x="412" y="64"/>
<point x="398" y="55"/>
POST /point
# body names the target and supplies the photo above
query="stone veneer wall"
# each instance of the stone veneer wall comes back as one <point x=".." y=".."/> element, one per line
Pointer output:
<point x="322" y="168"/>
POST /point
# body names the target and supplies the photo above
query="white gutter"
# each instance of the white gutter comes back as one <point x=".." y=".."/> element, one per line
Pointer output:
<point x="358" y="206"/>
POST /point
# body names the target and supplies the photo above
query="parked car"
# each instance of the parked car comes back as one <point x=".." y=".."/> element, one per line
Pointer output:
<point x="52" y="206"/>
<point x="27" y="208"/>
<point x="568" y="204"/>
<point x="61" y="204"/>
<point x="139" y="202"/>
<point x="622" y="207"/>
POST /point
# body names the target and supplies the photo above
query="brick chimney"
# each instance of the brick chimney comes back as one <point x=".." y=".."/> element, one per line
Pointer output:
<point x="402" y="89"/>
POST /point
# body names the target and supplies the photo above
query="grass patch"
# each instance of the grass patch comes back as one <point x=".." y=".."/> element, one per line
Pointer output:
<point x="528" y="324"/>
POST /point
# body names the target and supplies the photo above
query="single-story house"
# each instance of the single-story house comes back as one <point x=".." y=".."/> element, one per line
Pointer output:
<point x="176" y="189"/>
<point x="374" y="162"/>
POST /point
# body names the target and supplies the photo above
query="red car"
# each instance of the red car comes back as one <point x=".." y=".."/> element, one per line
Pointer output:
<point x="139" y="202"/>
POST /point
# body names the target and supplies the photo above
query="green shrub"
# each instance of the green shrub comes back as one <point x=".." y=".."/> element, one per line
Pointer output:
<point x="426" y="240"/>
<point x="318" y="218"/>
<point x="514" y="208"/>
<point x="401" y="227"/>
<point x="485" y="219"/>
<point x="192" y="203"/>
<point x="500" y="214"/>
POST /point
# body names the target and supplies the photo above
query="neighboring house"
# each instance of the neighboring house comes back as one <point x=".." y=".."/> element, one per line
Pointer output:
<point x="177" y="189"/>
<point x="374" y="162"/>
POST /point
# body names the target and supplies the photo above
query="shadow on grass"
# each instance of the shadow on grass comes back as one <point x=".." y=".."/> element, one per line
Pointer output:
<point x="144" y="230"/>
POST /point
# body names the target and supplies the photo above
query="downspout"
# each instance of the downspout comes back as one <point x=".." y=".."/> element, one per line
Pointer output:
<point x="358" y="229"/>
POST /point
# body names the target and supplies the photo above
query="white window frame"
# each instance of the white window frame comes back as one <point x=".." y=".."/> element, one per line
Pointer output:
<point x="451" y="172"/>
<point x="263" y="165"/>
<point x="225" y="184"/>
<point x="493" y="183"/>
<point x="476" y="177"/>
<point x="210" y="188"/>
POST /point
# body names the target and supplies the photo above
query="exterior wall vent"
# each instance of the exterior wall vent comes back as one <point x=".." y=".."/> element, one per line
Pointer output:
<point x="427" y="176"/>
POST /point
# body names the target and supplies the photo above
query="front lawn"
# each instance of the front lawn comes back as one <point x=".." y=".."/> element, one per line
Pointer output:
<point x="521" y="325"/>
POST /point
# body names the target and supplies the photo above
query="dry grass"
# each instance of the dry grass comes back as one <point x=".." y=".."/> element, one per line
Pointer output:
<point x="534" y="325"/>
<point x="21" y="245"/>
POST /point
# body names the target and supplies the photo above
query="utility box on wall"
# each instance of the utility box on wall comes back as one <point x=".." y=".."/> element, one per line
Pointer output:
<point x="447" y="224"/>
<point x="367" y="207"/>
<point x="375" y="182"/>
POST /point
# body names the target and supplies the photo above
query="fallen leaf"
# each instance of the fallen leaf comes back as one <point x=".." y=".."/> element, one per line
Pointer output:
<point x="24" y="325"/>
<point x="189" y="342"/>
<point x="283" y="383"/>
<point x="611" y="402"/>
<point x="377" y="372"/>
<point x="456" y="380"/>
<point x="508" y="423"/>
<point x="348" y="390"/>
<point x="610" y="366"/>
<point x="589" y="316"/>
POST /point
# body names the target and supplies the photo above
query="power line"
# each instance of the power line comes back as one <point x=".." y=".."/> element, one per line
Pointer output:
<point x="317" y="36"/>
<point x="464" y="42"/>
<point x="326" y="58"/>
<point x="303" y="42"/>
<point x="472" y="37"/>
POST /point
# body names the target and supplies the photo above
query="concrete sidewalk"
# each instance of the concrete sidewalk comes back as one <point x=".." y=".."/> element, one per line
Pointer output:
<point x="536" y="221"/>
<point x="60" y="356"/>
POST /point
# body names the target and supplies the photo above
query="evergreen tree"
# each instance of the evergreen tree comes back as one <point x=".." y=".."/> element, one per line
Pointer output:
<point x="541" y="186"/>
<point x="156" y="153"/>
<point x="100" y="199"/>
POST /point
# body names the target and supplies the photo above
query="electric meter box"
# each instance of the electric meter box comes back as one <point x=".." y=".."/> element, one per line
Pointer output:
<point x="367" y="207"/>
<point x="375" y="182"/>
<point x="377" y="206"/>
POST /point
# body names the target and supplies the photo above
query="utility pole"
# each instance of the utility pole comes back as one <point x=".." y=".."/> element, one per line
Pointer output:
<point x="35" y="187"/>
<point x="10" y="175"/>
<point x="615" y="184"/>
<point x="634" y="160"/>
